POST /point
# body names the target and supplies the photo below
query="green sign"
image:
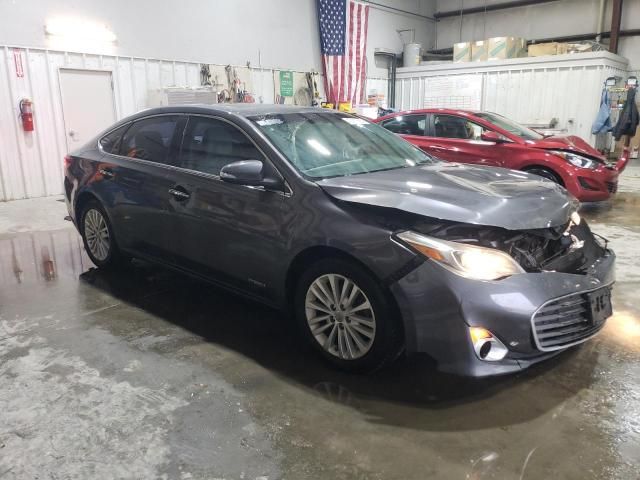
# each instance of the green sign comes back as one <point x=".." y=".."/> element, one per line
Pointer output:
<point x="286" y="84"/>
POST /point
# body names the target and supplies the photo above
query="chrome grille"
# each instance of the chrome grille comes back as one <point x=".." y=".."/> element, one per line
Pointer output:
<point x="563" y="322"/>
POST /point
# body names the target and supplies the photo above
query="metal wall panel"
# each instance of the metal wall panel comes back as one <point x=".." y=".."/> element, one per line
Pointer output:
<point x="566" y="87"/>
<point x="31" y="162"/>
<point x="569" y="94"/>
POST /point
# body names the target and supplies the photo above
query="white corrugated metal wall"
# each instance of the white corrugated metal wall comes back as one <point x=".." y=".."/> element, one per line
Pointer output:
<point x="526" y="90"/>
<point x="570" y="94"/>
<point x="31" y="162"/>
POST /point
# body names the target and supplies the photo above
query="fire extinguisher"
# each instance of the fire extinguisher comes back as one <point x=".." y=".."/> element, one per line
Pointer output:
<point x="26" y="114"/>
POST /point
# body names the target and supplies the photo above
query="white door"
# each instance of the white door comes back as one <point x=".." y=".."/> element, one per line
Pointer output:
<point x="87" y="104"/>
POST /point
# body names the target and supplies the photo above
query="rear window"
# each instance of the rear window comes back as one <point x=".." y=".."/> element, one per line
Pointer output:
<point x="111" y="142"/>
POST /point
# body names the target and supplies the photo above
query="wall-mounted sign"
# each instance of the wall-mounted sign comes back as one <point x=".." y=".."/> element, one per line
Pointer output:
<point x="286" y="83"/>
<point x="17" y="60"/>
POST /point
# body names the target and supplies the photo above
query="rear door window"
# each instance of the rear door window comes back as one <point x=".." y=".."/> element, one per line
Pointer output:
<point x="111" y="142"/>
<point x="152" y="139"/>
<point x="406" y="124"/>
<point x="210" y="144"/>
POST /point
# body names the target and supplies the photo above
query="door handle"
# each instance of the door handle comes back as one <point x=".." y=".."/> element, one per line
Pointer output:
<point x="179" y="194"/>
<point x="106" y="173"/>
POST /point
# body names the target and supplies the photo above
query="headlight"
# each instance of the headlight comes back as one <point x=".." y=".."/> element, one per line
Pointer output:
<point x="469" y="261"/>
<point x="575" y="159"/>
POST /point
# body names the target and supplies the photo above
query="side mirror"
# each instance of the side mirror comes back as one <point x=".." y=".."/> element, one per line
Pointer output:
<point x="494" y="137"/>
<point x="251" y="173"/>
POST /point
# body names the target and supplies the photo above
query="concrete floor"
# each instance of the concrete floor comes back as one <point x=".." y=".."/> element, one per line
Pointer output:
<point x="148" y="374"/>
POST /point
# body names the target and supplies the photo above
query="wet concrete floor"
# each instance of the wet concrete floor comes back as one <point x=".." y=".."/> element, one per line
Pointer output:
<point x="145" y="373"/>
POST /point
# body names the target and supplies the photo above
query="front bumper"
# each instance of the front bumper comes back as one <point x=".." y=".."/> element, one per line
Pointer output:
<point x="593" y="185"/>
<point x="438" y="306"/>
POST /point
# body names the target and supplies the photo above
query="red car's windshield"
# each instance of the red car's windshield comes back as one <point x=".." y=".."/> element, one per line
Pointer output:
<point x="510" y="126"/>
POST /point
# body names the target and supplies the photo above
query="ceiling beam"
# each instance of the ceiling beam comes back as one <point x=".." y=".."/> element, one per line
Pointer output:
<point x="489" y="8"/>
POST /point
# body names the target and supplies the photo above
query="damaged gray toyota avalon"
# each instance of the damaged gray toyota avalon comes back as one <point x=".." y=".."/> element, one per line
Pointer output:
<point x="376" y="247"/>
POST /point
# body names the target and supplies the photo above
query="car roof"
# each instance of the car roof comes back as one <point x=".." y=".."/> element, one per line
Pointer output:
<point x="448" y="111"/>
<point x="239" y="109"/>
<point x="452" y="111"/>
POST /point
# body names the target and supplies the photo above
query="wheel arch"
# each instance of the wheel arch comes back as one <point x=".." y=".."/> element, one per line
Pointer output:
<point x="83" y="198"/>
<point x="310" y="255"/>
<point x="539" y="165"/>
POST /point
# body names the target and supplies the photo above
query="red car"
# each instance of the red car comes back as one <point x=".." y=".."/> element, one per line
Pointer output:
<point x="485" y="138"/>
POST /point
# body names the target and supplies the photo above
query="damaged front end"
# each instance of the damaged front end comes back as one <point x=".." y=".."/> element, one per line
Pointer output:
<point x="519" y="296"/>
<point x="570" y="248"/>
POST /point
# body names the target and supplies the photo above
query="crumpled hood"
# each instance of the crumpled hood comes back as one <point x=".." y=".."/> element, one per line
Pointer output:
<point x="461" y="193"/>
<point x="569" y="143"/>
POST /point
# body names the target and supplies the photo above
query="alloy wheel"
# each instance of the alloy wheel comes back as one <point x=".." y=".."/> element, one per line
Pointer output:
<point x="340" y="316"/>
<point x="96" y="233"/>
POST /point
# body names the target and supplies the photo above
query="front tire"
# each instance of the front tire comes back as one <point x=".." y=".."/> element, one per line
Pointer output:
<point x="545" y="173"/>
<point x="346" y="316"/>
<point x="98" y="236"/>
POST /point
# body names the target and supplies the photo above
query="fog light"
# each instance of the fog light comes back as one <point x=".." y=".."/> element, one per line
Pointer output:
<point x="486" y="346"/>
<point x="587" y="184"/>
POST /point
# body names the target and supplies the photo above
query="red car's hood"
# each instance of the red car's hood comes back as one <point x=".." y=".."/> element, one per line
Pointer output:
<point x="568" y="142"/>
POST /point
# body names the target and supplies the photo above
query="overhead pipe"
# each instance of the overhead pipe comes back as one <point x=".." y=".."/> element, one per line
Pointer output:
<point x="380" y="6"/>
<point x="489" y="8"/>
<point x="601" y="11"/>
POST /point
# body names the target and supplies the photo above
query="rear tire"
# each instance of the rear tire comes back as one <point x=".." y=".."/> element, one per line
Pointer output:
<point x="345" y="315"/>
<point x="545" y="173"/>
<point x="99" y="238"/>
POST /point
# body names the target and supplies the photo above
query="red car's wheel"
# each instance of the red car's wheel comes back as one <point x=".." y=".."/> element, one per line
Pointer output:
<point x="545" y="173"/>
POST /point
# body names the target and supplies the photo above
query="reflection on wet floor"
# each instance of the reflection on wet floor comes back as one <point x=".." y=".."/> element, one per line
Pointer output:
<point x="42" y="256"/>
<point x="575" y="416"/>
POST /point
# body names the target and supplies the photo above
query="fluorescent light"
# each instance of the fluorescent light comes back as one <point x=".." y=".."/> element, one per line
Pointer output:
<point x="79" y="30"/>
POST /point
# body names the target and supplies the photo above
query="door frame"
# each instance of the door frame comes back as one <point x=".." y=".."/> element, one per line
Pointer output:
<point x="61" y="70"/>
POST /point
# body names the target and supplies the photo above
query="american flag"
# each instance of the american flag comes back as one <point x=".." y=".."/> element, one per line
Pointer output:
<point x="343" y="44"/>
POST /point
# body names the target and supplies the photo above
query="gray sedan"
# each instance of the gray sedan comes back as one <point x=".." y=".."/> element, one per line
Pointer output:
<point x="374" y="246"/>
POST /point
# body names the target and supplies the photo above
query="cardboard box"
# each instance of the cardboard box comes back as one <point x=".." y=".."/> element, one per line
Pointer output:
<point x="501" y="48"/>
<point x="479" y="51"/>
<point x="462" y="52"/>
<point x="579" y="47"/>
<point x="552" y="48"/>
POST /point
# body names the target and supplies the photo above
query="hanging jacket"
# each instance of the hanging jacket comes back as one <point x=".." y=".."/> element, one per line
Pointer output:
<point x="629" y="118"/>
<point x="602" y="123"/>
